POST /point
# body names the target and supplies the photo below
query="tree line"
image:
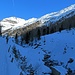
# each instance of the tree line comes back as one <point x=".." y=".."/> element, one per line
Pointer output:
<point x="35" y="34"/>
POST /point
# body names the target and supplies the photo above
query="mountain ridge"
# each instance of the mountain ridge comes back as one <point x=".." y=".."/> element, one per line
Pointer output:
<point x="13" y="23"/>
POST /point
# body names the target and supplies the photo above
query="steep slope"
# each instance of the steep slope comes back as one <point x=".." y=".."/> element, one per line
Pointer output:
<point x="58" y="51"/>
<point x="12" y="23"/>
<point x="55" y="16"/>
<point x="6" y="67"/>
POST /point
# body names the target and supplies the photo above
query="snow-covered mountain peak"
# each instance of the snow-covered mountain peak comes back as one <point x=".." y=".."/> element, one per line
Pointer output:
<point x="54" y="16"/>
<point x="18" y="20"/>
<point x="71" y="7"/>
<point x="14" y="23"/>
<point x="68" y="9"/>
<point x="13" y="19"/>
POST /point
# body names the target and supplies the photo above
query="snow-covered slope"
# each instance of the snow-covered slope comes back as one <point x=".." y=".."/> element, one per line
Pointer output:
<point x="59" y="46"/>
<point x="55" y="16"/>
<point x="13" y="23"/>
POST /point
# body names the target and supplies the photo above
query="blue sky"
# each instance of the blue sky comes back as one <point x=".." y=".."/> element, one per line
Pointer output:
<point x="31" y="8"/>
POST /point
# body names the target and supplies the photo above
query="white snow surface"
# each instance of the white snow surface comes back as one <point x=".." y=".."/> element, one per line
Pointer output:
<point x="55" y="45"/>
<point x="55" y="16"/>
<point x="15" y="23"/>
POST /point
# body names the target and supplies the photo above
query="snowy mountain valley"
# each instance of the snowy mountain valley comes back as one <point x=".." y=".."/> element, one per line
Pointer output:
<point x="44" y="46"/>
<point x="57" y="51"/>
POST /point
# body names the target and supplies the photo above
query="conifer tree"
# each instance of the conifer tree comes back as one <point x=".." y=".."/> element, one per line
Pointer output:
<point x="38" y="34"/>
<point x="44" y="31"/>
<point x="27" y="38"/>
<point x="16" y="38"/>
<point x="47" y="30"/>
<point x="7" y="39"/>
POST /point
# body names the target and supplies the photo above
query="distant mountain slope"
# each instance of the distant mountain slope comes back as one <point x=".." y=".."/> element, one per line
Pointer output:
<point x="15" y="23"/>
<point x="12" y="23"/>
<point x="55" y="16"/>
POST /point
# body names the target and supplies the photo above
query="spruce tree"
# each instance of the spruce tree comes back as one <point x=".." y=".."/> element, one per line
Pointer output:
<point x="16" y="38"/>
<point x="44" y="31"/>
<point x="27" y="38"/>
<point x="52" y="30"/>
<point x="7" y="39"/>
<point x="38" y="34"/>
<point x="47" y="30"/>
